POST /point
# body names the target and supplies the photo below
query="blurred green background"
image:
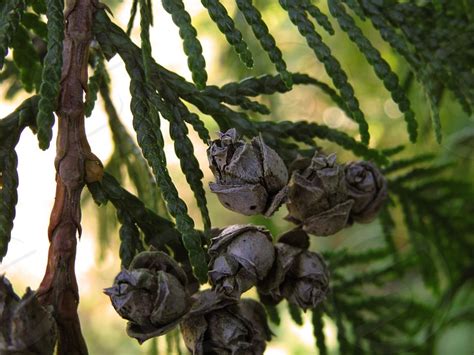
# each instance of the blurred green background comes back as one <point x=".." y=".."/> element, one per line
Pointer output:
<point x="98" y="262"/>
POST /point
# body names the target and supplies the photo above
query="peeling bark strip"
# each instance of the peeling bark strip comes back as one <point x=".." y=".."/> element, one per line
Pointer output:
<point x="75" y="165"/>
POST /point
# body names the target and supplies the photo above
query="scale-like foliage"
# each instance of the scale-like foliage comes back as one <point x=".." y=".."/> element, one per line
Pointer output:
<point x="129" y="154"/>
<point x="356" y="7"/>
<point x="154" y="153"/>
<point x="267" y="85"/>
<point x="95" y="82"/>
<point x="157" y="231"/>
<point x="26" y="59"/>
<point x="430" y="40"/>
<point x="8" y="197"/>
<point x="191" y="45"/>
<point x="387" y="32"/>
<point x="133" y="14"/>
<point x="238" y="100"/>
<point x="432" y="205"/>
<point x="306" y="131"/>
<point x="129" y="238"/>
<point x="323" y="53"/>
<point x="10" y="14"/>
<point x="34" y="23"/>
<point x="184" y="150"/>
<point x="218" y="13"/>
<point x="381" y="67"/>
<point x="318" y="331"/>
<point x="260" y="29"/>
<point x="295" y="313"/>
<point x="145" y="24"/>
<point x="49" y="90"/>
<point x="174" y="111"/>
<point x="272" y="314"/>
<point x="150" y="140"/>
<point x="436" y="119"/>
<point x="194" y="120"/>
<point x="318" y="16"/>
<point x="10" y="130"/>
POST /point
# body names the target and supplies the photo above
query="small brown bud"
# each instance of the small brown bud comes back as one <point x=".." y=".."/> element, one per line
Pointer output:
<point x="368" y="188"/>
<point x="240" y="256"/>
<point x="250" y="177"/>
<point x="151" y="294"/>
<point x="94" y="170"/>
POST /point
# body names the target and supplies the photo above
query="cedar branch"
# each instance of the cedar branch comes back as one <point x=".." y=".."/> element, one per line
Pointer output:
<point x="75" y="165"/>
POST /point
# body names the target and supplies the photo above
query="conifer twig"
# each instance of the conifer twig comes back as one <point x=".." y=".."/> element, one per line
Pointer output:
<point x="75" y="165"/>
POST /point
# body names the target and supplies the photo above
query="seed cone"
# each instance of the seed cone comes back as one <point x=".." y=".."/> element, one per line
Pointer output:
<point x="298" y="275"/>
<point x="240" y="256"/>
<point x="317" y="196"/>
<point x="151" y="295"/>
<point x="368" y="188"/>
<point x="26" y="327"/>
<point x="250" y="177"/>
<point x="219" y="325"/>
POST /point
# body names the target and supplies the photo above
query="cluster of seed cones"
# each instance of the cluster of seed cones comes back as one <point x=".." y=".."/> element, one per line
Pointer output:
<point x="321" y="195"/>
<point x="154" y="293"/>
<point x="322" y="198"/>
<point x="154" y="296"/>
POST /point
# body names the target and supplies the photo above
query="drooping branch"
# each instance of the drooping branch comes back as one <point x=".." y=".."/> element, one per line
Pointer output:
<point x="75" y="165"/>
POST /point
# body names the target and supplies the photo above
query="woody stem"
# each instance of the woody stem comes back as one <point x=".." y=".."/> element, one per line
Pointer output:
<point x="73" y="163"/>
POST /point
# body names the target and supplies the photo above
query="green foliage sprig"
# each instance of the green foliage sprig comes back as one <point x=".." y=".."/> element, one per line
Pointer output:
<point x="95" y="82"/>
<point x="10" y="14"/>
<point x="318" y="16"/>
<point x="51" y="76"/>
<point x="260" y="29"/>
<point x="157" y="231"/>
<point x="432" y="205"/>
<point x="129" y="238"/>
<point x="10" y="131"/>
<point x="8" y="198"/>
<point x="26" y="59"/>
<point x="381" y="67"/>
<point x="133" y="14"/>
<point x="151" y="141"/>
<point x="427" y="38"/>
<point x="218" y="13"/>
<point x="34" y="23"/>
<point x="129" y="154"/>
<point x="295" y="313"/>
<point x="145" y="24"/>
<point x="318" y="331"/>
<point x="322" y="51"/>
<point x="191" y="45"/>
<point x="172" y="110"/>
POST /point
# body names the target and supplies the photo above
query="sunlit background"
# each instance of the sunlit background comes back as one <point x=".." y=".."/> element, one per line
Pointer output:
<point x="104" y="330"/>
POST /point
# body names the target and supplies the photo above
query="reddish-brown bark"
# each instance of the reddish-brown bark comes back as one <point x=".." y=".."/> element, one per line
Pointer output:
<point x="75" y="165"/>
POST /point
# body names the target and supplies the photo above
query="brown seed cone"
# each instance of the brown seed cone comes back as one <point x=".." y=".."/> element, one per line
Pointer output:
<point x="368" y="188"/>
<point x="219" y="325"/>
<point x="250" y="177"/>
<point x="151" y="294"/>
<point x="241" y="255"/>
<point x="317" y="196"/>
<point x="298" y="275"/>
<point x="26" y="327"/>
